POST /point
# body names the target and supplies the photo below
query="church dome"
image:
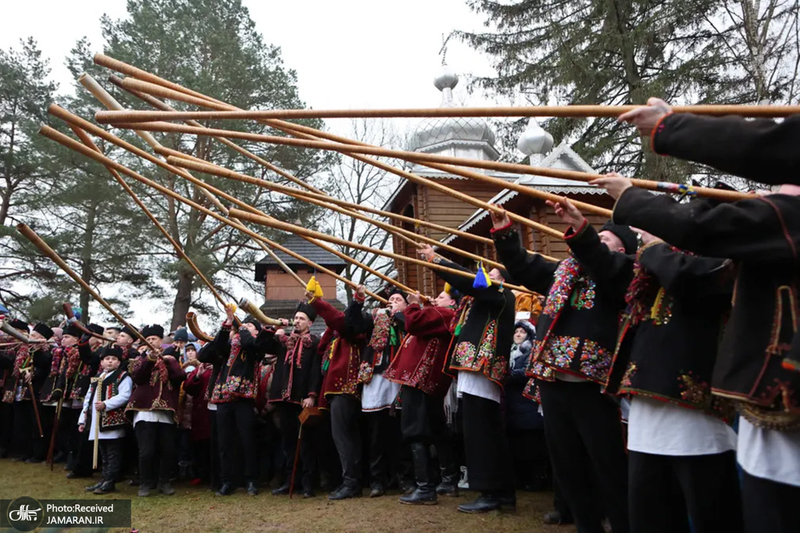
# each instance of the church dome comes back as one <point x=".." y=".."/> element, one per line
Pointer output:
<point x="436" y="130"/>
<point x="534" y="140"/>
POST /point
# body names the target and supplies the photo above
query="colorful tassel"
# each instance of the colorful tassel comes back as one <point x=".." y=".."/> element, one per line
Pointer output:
<point x="448" y="288"/>
<point x="482" y="280"/>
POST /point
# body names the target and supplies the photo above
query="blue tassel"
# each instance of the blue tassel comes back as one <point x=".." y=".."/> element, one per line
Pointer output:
<point x="481" y="279"/>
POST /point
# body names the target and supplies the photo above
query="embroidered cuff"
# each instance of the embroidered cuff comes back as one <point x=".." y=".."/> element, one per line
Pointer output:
<point x="358" y="298"/>
<point x="658" y="128"/>
<point x="227" y="324"/>
<point x="572" y="234"/>
<point x="502" y="231"/>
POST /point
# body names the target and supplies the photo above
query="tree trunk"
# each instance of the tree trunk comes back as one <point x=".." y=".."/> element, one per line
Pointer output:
<point x="183" y="298"/>
<point x="87" y="270"/>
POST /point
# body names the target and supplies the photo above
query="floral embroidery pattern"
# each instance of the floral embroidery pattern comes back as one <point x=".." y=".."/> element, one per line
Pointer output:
<point x="564" y="280"/>
<point x="488" y="343"/>
<point x="560" y="351"/>
<point x="595" y="360"/>
<point x="365" y="372"/>
<point x="233" y="386"/>
<point x="584" y="294"/>
<point x="693" y="390"/>
<point x="531" y="391"/>
<point x="380" y="331"/>
<point x="464" y="354"/>
<point x="628" y="376"/>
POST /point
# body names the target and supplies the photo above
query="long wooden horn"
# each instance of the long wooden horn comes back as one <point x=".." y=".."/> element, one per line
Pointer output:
<point x="85" y="139"/>
<point x="300" y="131"/>
<point x="349" y="149"/>
<point x="78" y="324"/>
<point x="37" y="241"/>
<point x="164" y="151"/>
<point x="88" y="126"/>
<point x="11" y="332"/>
<point x="109" y="101"/>
<point x="410" y="237"/>
<point x="66" y="141"/>
<point x="271" y="222"/>
<point x="257" y="313"/>
<point x="194" y="327"/>
<point x="576" y="111"/>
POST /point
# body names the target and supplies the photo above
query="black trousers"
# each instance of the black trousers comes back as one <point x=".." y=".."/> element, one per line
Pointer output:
<point x="157" y="442"/>
<point x="530" y="459"/>
<point x="585" y="439"/>
<point x="79" y="456"/>
<point x="214" y="451"/>
<point x="26" y="432"/>
<point x="6" y="425"/>
<point x="769" y="506"/>
<point x="345" y="415"/>
<point x="385" y="447"/>
<point x="422" y="420"/>
<point x="237" y="418"/>
<point x="290" y="429"/>
<point x="111" y="457"/>
<point x="666" y="492"/>
<point x="42" y="446"/>
<point x="488" y="458"/>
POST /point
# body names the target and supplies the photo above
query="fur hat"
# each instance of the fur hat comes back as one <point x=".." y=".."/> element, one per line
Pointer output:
<point x="43" y="330"/>
<point x="153" y="331"/>
<point x="625" y="234"/>
<point x="72" y="329"/>
<point x="114" y="351"/>
<point x="307" y="309"/>
<point x="19" y="324"/>
<point x="128" y="331"/>
<point x="250" y="319"/>
<point x="94" y="328"/>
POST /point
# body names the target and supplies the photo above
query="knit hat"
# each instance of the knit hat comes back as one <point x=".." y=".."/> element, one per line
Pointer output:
<point x="181" y="335"/>
<point x="625" y="234"/>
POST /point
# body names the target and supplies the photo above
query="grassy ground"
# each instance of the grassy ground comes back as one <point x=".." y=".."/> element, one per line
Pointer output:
<point x="197" y="509"/>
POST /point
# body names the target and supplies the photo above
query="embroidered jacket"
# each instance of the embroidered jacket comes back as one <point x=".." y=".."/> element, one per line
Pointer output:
<point x="297" y="374"/>
<point x="420" y="360"/>
<point x="52" y="390"/>
<point x="385" y="333"/>
<point x="237" y="378"/>
<point x="762" y="236"/>
<point x="196" y="385"/>
<point x="19" y="361"/>
<point x="157" y="383"/>
<point x="577" y="330"/>
<point x="677" y="304"/>
<point x="342" y="356"/>
<point x="486" y="327"/>
<point x="114" y="415"/>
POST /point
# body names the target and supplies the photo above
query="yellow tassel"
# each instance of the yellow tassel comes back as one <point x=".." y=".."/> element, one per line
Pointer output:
<point x="656" y="309"/>
<point x="312" y="284"/>
<point x="447" y="288"/>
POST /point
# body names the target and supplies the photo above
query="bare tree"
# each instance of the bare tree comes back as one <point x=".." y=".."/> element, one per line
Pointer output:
<point x="362" y="183"/>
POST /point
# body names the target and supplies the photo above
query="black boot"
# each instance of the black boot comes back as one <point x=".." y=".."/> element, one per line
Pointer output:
<point x="487" y="501"/>
<point x="106" y="487"/>
<point x="425" y="493"/>
<point x="91" y="488"/>
<point x="344" y="492"/>
<point x="282" y="490"/>
<point x="449" y="484"/>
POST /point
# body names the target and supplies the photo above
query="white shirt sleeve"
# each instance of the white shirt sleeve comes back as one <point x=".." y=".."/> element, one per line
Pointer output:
<point x="87" y="402"/>
<point x="122" y="397"/>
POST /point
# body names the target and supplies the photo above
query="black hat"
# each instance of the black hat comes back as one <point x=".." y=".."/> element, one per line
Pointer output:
<point x="181" y="335"/>
<point x="153" y="331"/>
<point x="73" y="330"/>
<point x="95" y="328"/>
<point x="115" y="351"/>
<point x="625" y="234"/>
<point x="395" y="290"/>
<point x="114" y="329"/>
<point x="250" y="319"/>
<point x="128" y="331"/>
<point x="307" y="309"/>
<point x="43" y="330"/>
<point x="19" y="324"/>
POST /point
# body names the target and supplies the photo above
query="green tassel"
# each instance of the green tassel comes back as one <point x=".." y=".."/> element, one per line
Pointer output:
<point x="392" y="336"/>
<point x="326" y="364"/>
<point x="458" y="330"/>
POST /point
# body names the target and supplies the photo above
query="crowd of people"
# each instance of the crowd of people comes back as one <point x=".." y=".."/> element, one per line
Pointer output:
<point x="689" y="327"/>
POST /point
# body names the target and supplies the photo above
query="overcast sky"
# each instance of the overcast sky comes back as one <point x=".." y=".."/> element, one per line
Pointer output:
<point x="347" y="53"/>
